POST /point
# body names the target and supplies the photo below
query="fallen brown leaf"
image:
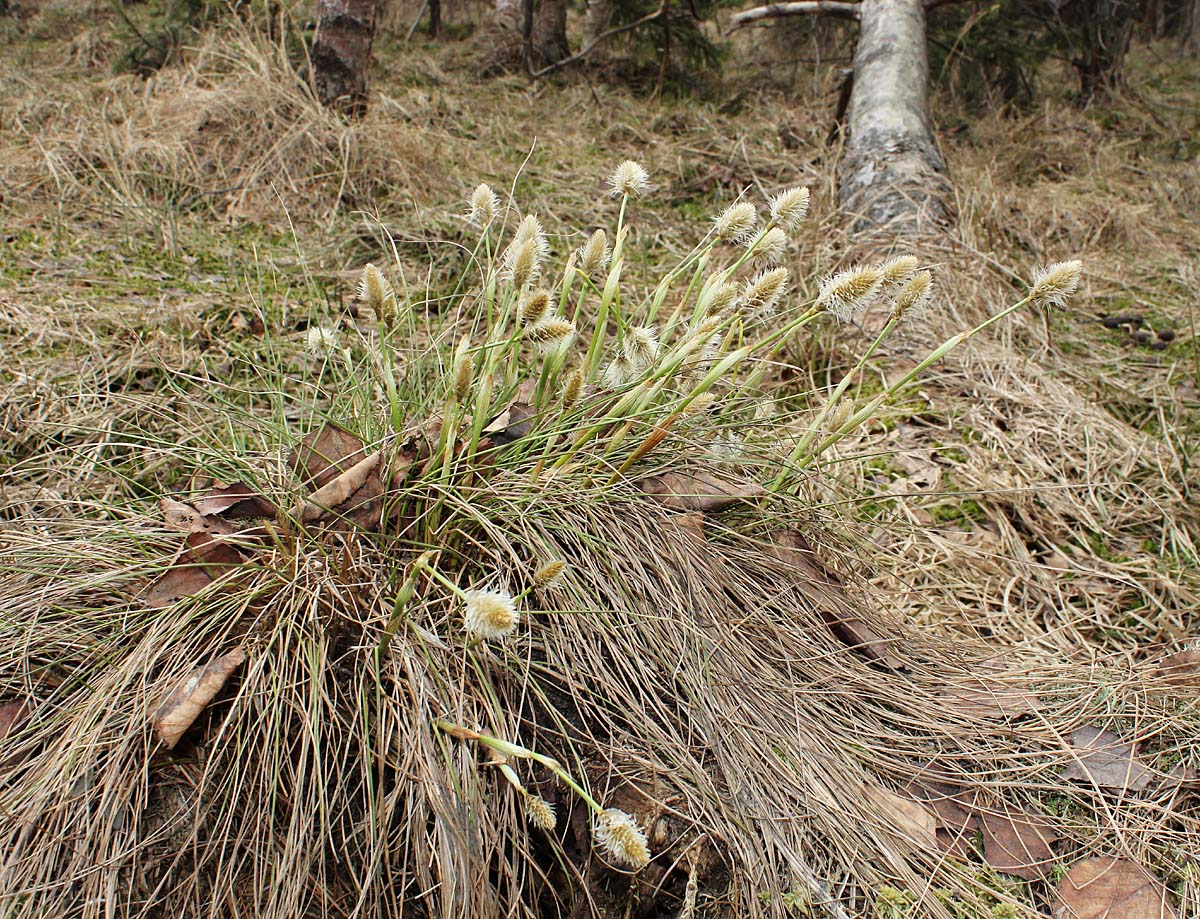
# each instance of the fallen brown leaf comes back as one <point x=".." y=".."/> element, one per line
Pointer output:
<point x="696" y="491"/>
<point x="12" y="714"/>
<point x="177" y="712"/>
<point x="1181" y="670"/>
<point x="1111" y="888"/>
<point x="1017" y="841"/>
<point x="204" y="558"/>
<point x="181" y="516"/>
<point x="323" y="456"/>
<point x="956" y="814"/>
<point x="235" y="500"/>
<point x="333" y="494"/>
<point x="1103" y="759"/>
<point x="794" y="550"/>
<point x="989" y="692"/>
<point x="909" y="822"/>
<point x="512" y="424"/>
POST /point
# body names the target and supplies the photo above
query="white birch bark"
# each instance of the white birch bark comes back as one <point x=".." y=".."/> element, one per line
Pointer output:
<point x="891" y="169"/>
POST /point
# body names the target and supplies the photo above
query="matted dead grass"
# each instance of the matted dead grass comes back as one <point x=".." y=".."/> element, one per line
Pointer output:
<point x="1030" y="507"/>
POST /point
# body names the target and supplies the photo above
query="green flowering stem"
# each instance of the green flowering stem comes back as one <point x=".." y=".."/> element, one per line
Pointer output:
<point x="796" y="462"/>
<point x="505" y="748"/>
<point x="840" y="391"/>
<point x="400" y="604"/>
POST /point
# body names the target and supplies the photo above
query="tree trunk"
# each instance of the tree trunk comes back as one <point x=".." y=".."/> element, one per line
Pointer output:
<point x="508" y="14"/>
<point x="892" y="171"/>
<point x="550" y="33"/>
<point x="1191" y="36"/>
<point x="1104" y="29"/>
<point x="596" y="20"/>
<point x="341" y="53"/>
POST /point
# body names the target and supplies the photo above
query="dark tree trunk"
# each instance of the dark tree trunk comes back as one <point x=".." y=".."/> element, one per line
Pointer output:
<point x="891" y="171"/>
<point x="341" y="53"/>
<point x="1191" y="34"/>
<point x="550" y="33"/>
<point x="435" y="17"/>
<point x="1102" y="29"/>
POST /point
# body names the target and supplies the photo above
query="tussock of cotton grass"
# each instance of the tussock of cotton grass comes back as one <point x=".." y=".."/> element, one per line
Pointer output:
<point x="693" y="681"/>
<point x="701" y="691"/>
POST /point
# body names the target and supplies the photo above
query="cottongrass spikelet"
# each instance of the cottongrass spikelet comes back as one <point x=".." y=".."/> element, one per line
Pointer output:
<point x="594" y="254"/>
<point x="850" y="292"/>
<point x="464" y="371"/>
<point x="551" y="335"/>
<point x="764" y="292"/>
<point x="618" y="372"/>
<point x="718" y="296"/>
<point x="620" y="836"/>
<point x="530" y="228"/>
<point x="641" y="347"/>
<point x="534" y="307"/>
<point x="540" y="813"/>
<point x="521" y="264"/>
<point x="629" y="178"/>
<point x="913" y="297"/>
<point x="898" y="270"/>
<point x="489" y="613"/>
<point x="321" y="341"/>
<point x="572" y="389"/>
<point x="549" y="573"/>
<point x="376" y="291"/>
<point x="485" y="205"/>
<point x="788" y="208"/>
<point x="736" y="223"/>
<point x="1054" y="284"/>
<point x="770" y="248"/>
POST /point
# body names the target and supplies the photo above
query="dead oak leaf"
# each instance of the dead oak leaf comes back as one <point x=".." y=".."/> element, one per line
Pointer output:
<point x="1103" y="759"/>
<point x="908" y="822"/>
<point x="234" y="500"/>
<point x="794" y="550"/>
<point x="956" y="814"/>
<point x="1180" y="670"/>
<point x="328" y="454"/>
<point x="696" y="491"/>
<point x="179" y="710"/>
<point x="1111" y="888"/>
<point x="12" y="715"/>
<point x="1017" y="841"/>
<point x="204" y="558"/>
<point x="182" y="516"/>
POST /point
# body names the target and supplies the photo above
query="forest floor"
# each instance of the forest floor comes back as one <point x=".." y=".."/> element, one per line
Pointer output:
<point x="166" y="238"/>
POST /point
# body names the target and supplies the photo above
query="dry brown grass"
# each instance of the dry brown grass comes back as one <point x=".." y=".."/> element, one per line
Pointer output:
<point x="1032" y="503"/>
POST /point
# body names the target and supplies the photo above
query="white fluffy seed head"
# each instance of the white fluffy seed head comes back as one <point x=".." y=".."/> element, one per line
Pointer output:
<point x="718" y="296"/>
<point x="898" y="270"/>
<point x="618" y="372"/>
<point x="737" y="222"/>
<point x="549" y="573"/>
<point x="321" y="341"/>
<point x="572" y="389"/>
<point x="376" y="291"/>
<point x="1054" y="284"/>
<point x="485" y="205"/>
<point x="551" y="335"/>
<point x="850" y="292"/>
<point x="764" y="292"/>
<point x="788" y="208"/>
<point x="594" y="254"/>
<point x="770" y="248"/>
<point x="641" y="347"/>
<point x="534" y="307"/>
<point x="619" y="835"/>
<point x="913" y="297"/>
<point x="630" y="179"/>
<point x="540" y="813"/>
<point x="490" y="614"/>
